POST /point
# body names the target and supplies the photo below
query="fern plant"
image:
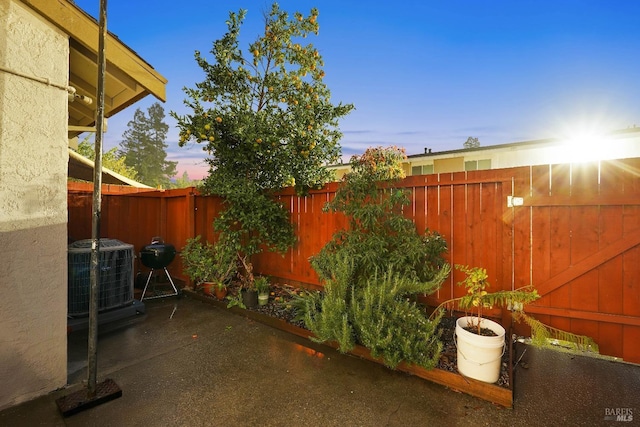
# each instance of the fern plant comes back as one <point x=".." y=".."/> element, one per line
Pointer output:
<point x="547" y="336"/>
<point x="477" y="299"/>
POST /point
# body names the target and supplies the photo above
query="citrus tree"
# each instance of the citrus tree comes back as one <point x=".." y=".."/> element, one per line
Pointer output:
<point x="265" y="117"/>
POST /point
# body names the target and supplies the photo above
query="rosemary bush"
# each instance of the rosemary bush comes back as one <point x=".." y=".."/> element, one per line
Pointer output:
<point x="392" y="326"/>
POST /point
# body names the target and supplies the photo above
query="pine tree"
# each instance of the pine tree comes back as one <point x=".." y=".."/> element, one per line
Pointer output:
<point x="144" y="149"/>
<point x="184" y="181"/>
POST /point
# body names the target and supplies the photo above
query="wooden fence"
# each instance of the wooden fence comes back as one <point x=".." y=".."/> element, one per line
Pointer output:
<point x="576" y="237"/>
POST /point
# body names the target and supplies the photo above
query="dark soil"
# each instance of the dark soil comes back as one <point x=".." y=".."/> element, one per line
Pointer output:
<point x="279" y="307"/>
<point x="485" y="332"/>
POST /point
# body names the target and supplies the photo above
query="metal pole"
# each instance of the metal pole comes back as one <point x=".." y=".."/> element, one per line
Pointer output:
<point x="97" y="205"/>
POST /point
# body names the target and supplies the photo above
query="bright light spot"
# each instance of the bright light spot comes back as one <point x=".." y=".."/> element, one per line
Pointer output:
<point x="585" y="143"/>
<point x="583" y="147"/>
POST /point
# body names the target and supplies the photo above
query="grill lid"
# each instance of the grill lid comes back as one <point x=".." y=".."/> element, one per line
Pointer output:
<point x="157" y="254"/>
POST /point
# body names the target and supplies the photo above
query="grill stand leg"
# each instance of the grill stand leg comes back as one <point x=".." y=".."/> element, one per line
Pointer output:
<point x="175" y="290"/>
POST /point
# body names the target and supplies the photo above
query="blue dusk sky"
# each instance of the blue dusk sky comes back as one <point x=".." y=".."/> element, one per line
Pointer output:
<point x="420" y="73"/>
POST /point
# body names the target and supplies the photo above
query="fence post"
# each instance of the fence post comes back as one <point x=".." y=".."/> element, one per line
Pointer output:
<point x="191" y="213"/>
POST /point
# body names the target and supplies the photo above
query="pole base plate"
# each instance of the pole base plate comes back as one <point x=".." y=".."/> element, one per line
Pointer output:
<point x="80" y="400"/>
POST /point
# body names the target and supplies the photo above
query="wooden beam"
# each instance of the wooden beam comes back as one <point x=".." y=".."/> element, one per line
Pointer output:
<point x="595" y="200"/>
<point x="617" y="319"/>
<point x="112" y="70"/>
<point x="84" y="29"/>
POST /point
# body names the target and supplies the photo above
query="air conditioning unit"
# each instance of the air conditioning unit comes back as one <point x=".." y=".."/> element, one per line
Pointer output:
<point x="115" y="279"/>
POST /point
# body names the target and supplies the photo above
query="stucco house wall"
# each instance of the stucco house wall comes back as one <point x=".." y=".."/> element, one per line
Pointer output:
<point x="33" y="205"/>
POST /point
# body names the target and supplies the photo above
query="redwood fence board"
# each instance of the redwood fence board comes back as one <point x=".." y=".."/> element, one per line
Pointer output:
<point x="576" y="238"/>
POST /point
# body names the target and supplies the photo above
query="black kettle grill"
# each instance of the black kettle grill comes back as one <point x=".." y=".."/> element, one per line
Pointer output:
<point x="158" y="255"/>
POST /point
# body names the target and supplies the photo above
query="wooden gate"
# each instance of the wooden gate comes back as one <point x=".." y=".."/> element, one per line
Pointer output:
<point x="579" y="236"/>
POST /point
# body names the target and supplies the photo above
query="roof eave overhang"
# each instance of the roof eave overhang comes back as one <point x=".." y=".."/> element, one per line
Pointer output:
<point x="82" y="168"/>
<point x="129" y="78"/>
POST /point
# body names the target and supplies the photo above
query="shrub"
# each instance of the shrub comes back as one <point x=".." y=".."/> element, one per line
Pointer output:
<point x="379" y="238"/>
<point x="372" y="270"/>
<point x="392" y="326"/>
<point x="207" y="262"/>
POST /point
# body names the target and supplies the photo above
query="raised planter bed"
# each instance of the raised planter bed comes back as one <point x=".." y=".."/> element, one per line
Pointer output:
<point x="490" y="392"/>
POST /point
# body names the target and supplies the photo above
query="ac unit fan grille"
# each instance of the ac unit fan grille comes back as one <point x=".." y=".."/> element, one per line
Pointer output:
<point x="115" y="276"/>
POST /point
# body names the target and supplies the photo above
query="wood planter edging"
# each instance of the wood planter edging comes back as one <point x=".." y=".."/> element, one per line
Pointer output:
<point x="489" y="392"/>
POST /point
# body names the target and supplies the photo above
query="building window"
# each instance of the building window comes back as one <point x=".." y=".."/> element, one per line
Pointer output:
<point x="471" y="165"/>
<point x="484" y="165"/>
<point x="422" y="170"/>
<point x="477" y="165"/>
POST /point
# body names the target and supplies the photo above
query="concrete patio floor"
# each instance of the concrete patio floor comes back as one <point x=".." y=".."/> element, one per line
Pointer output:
<point x="187" y="363"/>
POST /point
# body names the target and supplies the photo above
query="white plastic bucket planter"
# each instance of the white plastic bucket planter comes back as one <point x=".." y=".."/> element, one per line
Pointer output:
<point x="479" y="357"/>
